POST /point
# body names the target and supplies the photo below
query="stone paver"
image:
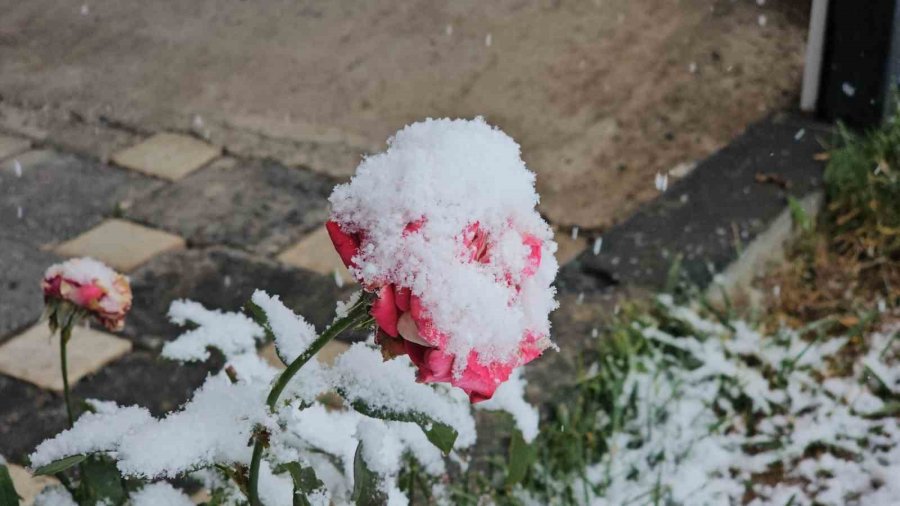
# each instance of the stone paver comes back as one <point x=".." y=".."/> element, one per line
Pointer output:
<point x="27" y="485"/>
<point x="33" y="356"/>
<point x="121" y="244"/>
<point x="326" y="355"/>
<point x="258" y="206"/>
<point x="49" y="196"/>
<point x="21" y="270"/>
<point x="10" y="145"/>
<point x="28" y="415"/>
<point x="224" y="279"/>
<point x="167" y="156"/>
<point x="316" y="253"/>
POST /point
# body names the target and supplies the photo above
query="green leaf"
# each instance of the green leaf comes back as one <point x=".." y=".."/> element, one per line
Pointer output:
<point x="365" y="482"/>
<point x="521" y="456"/>
<point x="262" y="319"/>
<point x="100" y="482"/>
<point x="440" y="434"/>
<point x="60" y="465"/>
<point x="8" y="495"/>
<point x="305" y="481"/>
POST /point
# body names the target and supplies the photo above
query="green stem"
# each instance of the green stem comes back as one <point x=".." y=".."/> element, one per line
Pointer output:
<point x="65" y="333"/>
<point x="357" y="315"/>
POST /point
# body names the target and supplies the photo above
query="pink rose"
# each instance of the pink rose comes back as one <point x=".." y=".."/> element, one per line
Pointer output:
<point x="91" y="286"/>
<point x="405" y="327"/>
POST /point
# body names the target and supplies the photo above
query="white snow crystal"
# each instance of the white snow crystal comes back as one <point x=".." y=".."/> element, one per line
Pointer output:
<point x="848" y="89"/>
<point x="661" y="181"/>
<point x="232" y="333"/>
<point x="92" y="432"/>
<point x="293" y="335"/>
<point x="213" y="427"/>
<point x="54" y="495"/>
<point x="159" y="494"/>
<point x="509" y="398"/>
<point x="361" y="375"/>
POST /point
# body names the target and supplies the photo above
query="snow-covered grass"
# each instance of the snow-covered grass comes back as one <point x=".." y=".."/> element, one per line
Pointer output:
<point x="685" y="409"/>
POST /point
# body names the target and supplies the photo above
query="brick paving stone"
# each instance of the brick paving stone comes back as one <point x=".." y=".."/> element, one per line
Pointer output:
<point x="61" y="195"/>
<point x="28" y="415"/>
<point x="167" y="156"/>
<point x="316" y="253"/>
<point x="10" y="145"/>
<point x="21" y="269"/>
<point x="33" y="355"/>
<point x="224" y="279"/>
<point x="121" y="244"/>
<point x="27" y="485"/>
<point x="258" y="206"/>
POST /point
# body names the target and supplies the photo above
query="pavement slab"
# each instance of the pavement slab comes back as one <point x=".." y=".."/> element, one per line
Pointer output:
<point x="167" y="156"/>
<point x="121" y="244"/>
<point x="21" y="269"/>
<point x="316" y="253"/>
<point x="28" y="415"/>
<point x="33" y="355"/>
<point x="57" y="195"/>
<point x="258" y="206"/>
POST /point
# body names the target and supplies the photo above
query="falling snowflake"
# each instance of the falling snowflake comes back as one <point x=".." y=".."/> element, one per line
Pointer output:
<point x="574" y="233"/>
<point x="848" y="89"/>
<point x="17" y="167"/>
<point x="488" y="40"/>
<point x="662" y="181"/>
<point x="598" y="244"/>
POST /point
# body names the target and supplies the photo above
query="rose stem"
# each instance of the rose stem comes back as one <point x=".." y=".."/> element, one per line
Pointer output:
<point x="357" y="315"/>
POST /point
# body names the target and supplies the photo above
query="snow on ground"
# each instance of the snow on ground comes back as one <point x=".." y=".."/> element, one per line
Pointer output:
<point x="711" y="411"/>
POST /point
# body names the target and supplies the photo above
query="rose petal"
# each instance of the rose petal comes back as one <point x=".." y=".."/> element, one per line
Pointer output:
<point x="481" y="381"/>
<point x="384" y="310"/>
<point x="346" y="245"/>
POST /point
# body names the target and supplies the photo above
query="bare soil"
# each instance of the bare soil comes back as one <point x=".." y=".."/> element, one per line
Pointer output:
<point x="601" y="94"/>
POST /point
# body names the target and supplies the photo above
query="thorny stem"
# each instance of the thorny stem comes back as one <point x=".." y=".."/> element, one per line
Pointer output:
<point x="357" y="315"/>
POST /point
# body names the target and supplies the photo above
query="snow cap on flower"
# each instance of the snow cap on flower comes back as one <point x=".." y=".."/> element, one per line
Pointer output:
<point x="443" y="227"/>
<point x="92" y="286"/>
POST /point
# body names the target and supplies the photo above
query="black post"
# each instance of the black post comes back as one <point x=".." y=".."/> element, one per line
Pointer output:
<point x="861" y="61"/>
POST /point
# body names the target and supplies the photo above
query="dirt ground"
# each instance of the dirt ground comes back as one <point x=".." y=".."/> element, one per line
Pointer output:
<point x="601" y="94"/>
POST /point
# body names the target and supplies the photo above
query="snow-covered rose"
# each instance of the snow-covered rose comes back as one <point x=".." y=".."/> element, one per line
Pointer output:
<point x="92" y="286"/>
<point x="443" y="227"/>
